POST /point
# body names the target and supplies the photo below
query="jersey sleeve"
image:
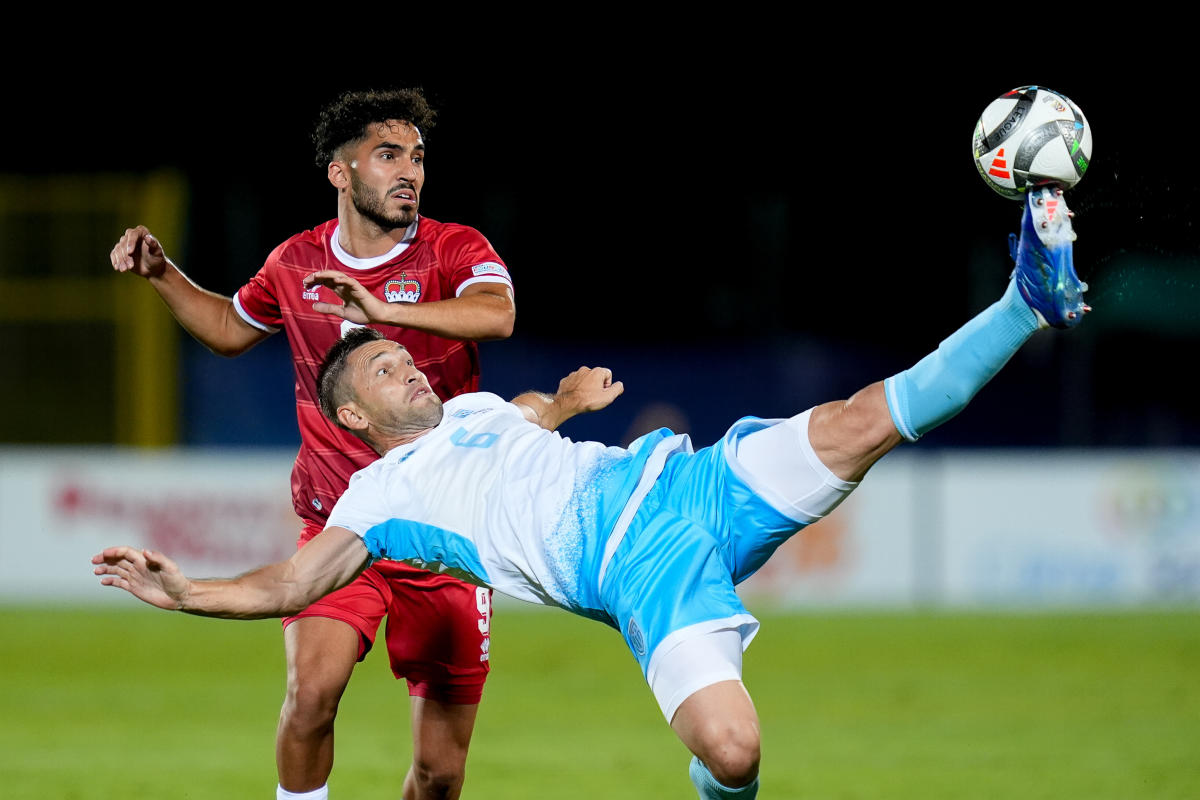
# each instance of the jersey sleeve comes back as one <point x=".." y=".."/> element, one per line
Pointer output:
<point x="471" y="259"/>
<point x="362" y="506"/>
<point x="472" y="403"/>
<point x="257" y="303"/>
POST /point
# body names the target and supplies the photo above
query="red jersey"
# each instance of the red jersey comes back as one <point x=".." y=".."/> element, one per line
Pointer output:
<point x="436" y="261"/>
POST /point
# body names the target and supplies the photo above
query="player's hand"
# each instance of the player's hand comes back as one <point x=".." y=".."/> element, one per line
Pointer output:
<point x="360" y="306"/>
<point x="588" y="389"/>
<point x="147" y="575"/>
<point x="140" y="253"/>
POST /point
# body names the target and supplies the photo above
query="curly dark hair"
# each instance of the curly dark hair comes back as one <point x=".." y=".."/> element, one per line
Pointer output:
<point x="345" y="120"/>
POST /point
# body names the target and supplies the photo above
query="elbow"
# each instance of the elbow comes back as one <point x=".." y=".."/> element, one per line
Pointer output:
<point x="226" y="347"/>
<point x="505" y="328"/>
<point x="486" y="315"/>
<point x="295" y="600"/>
<point x="289" y="609"/>
<point x="491" y="333"/>
<point x="226" y="351"/>
<point x="499" y="327"/>
<point x="231" y="346"/>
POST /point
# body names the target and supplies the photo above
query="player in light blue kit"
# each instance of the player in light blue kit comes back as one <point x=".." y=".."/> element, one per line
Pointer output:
<point x="651" y="539"/>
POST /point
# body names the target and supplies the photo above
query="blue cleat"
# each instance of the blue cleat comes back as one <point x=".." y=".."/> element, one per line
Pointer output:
<point x="1045" y="265"/>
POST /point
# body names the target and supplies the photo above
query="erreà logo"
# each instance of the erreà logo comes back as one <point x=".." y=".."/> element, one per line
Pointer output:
<point x="402" y="290"/>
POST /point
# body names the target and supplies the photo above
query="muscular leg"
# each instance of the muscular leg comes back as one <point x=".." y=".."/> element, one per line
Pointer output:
<point x="849" y="436"/>
<point x="715" y="719"/>
<point x="321" y="654"/>
<point x="441" y="735"/>
<point x="720" y="726"/>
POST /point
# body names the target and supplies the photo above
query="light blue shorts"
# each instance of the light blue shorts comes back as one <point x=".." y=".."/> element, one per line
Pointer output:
<point x="710" y="521"/>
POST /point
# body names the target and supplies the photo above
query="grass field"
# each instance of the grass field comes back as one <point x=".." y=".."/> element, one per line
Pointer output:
<point x="127" y="704"/>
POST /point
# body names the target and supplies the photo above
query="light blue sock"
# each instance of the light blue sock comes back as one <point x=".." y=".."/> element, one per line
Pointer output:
<point x="709" y="789"/>
<point x="940" y="385"/>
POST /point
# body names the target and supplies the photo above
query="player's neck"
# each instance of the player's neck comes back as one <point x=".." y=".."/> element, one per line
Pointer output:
<point x="362" y="238"/>
<point x="388" y="443"/>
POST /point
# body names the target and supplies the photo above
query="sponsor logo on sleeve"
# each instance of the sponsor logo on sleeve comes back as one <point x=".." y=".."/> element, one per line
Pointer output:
<point x="489" y="268"/>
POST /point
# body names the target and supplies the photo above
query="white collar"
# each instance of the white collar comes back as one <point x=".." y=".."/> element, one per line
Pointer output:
<point x="370" y="263"/>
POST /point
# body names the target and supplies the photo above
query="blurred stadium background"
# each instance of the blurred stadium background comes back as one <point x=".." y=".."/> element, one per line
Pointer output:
<point x="1008" y="609"/>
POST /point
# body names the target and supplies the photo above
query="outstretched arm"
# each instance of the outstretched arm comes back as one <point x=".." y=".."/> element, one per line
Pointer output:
<point x="585" y="389"/>
<point x="483" y="311"/>
<point x="331" y="560"/>
<point x="207" y="316"/>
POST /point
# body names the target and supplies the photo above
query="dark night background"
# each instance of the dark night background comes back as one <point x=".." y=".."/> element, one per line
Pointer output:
<point x="747" y="239"/>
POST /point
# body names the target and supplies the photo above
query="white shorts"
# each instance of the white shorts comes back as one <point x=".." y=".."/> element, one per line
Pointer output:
<point x="780" y="465"/>
<point x="694" y="663"/>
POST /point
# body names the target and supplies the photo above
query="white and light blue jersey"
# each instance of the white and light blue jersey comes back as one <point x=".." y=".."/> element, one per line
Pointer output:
<point x="651" y="539"/>
<point x="496" y="500"/>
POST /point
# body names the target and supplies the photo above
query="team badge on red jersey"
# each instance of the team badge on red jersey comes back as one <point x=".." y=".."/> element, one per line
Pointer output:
<point x="403" y="290"/>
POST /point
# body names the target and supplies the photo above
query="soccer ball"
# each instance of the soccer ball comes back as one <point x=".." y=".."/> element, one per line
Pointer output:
<point x="1030" y="137"/>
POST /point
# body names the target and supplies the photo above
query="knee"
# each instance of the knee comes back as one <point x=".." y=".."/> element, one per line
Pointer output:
<point x="437" y="779"/>
<point x="851" y="435"/>
<point x="311" y="703"/>
<point x="731" y="751"/>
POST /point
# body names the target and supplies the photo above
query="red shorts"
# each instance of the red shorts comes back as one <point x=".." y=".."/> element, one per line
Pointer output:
<point x="438" y="630"/>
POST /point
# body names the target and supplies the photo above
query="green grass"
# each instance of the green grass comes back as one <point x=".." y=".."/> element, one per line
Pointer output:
<point x="128" y="704"/>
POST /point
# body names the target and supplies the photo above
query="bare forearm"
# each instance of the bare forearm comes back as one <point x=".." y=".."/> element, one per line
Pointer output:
<point x="334" y="558"/>
<point x="585" y="389"/>
<point x="271" y="591"/>
<point x="283" y="588"/>
<point x="475" y="317"/>
<point x="207" y="316"/>
<point x="542" y="409"/>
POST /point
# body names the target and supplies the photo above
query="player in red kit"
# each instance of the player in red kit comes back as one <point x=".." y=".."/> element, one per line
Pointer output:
<point x="435" y="287"/>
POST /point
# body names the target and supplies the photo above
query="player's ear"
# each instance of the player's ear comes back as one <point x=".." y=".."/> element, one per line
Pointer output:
<point x="350" y="417"/>
<point x="338" y="174"/>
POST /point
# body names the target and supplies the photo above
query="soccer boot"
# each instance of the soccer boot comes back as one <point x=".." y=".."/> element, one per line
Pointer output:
<point x="1045" y="270"/>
